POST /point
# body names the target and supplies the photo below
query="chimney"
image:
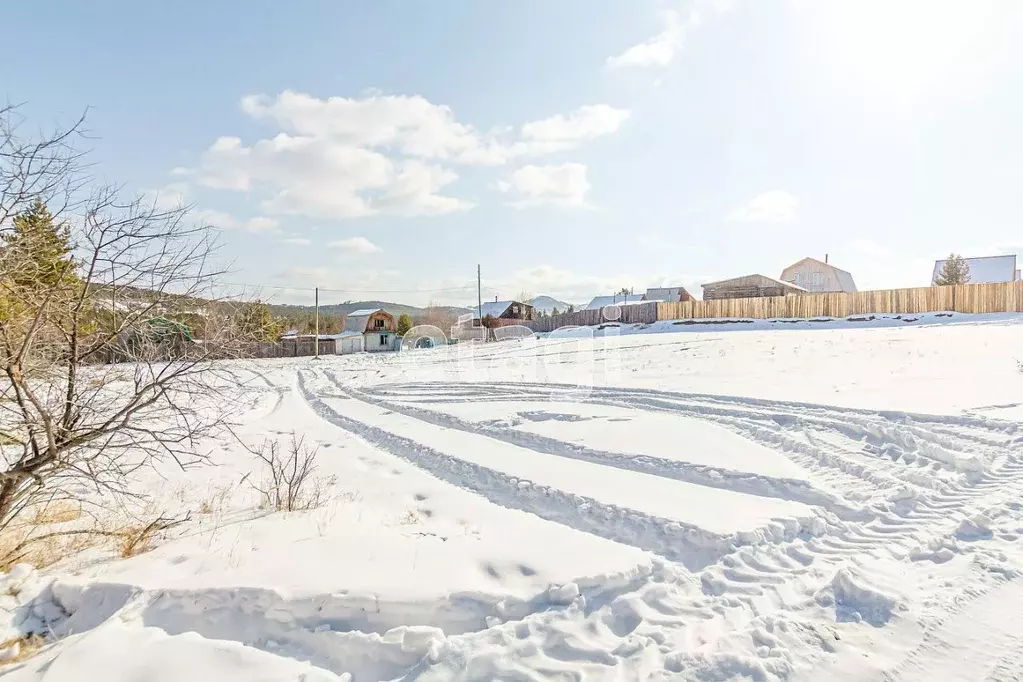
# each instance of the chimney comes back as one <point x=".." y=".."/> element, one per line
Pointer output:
<point x="825" y="259"/>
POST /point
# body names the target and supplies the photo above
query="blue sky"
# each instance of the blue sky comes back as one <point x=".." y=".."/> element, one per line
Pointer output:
<point x="382" y="149"/>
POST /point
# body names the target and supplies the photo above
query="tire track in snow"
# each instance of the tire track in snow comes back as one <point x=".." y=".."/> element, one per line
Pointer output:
<point x="689" y="545"/>
<point x="877" y="470"/>
<point x="739" y="581"/>
<point x="708" y="476"/>
<point x="902" y="518"/>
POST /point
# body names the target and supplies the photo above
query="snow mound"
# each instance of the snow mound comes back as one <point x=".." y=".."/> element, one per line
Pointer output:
<point x="977" y="527"/>
<point x="855" y="599"/>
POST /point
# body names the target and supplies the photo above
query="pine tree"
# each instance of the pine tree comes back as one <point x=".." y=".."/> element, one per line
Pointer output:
<point x="41" y="249"/>
<point x="256" y="323"/>
<point x="404" y="324"/>
<point x="955" y="270"/>
<point x="555" y="311"/>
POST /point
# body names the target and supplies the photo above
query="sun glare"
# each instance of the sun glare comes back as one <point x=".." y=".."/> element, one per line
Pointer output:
<point x="906" y="45"/>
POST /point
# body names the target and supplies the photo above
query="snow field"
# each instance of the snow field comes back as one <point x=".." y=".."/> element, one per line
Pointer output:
<point x="763" y="505"/>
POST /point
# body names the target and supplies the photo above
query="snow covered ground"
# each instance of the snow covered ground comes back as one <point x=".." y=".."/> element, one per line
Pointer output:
<point x="764" y="501"/>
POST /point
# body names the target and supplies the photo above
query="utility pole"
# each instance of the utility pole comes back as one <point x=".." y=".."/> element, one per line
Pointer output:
<point x="316" y="324"/>
<point x="479" y="294"/>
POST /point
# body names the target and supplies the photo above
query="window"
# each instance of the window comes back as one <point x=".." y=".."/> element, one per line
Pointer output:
<point x="378" y="323"/>
<point x="383" y="339"/>
<point x="797" y="279"/>
<point x="817" y="279"/>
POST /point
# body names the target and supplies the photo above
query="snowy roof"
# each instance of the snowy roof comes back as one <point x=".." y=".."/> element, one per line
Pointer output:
<point x="599" y="302"/>
<point x="985" y="269"/>
<point x="780" y="282"/>
<point x="357" y="320"/>
<point x="365" y="312"/>
<point x="494" y="308"/>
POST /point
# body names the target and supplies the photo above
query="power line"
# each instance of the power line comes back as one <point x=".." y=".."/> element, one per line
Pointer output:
<point x="465" y="287"/>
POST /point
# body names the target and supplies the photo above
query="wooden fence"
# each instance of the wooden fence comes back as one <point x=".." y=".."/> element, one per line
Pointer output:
<point x="1001" y="297"/>
<point x="634" y="313"/>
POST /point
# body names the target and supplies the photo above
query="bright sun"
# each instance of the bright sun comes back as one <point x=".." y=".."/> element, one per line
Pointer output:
<point x="906" y="44"/>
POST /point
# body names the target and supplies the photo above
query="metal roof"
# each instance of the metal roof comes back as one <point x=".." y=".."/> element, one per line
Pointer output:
<point x="985" y="269"/>
<point x="599" y="302"/>
<point x="365" y="312"/>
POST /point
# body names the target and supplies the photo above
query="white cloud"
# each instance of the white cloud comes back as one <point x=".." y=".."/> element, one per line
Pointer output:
<point x="171" y="196"/>
<point x="658" y="50"/>
<point x="564" y="185"/>
<point x="563" y="132"/>
<point x="340" y="158"/>
<point x="661" y="49"/>
<point x="324" y="179"/>
<point x="355" y="245"/>
<point x="774" y="206"/>
<point x="414" y="126"/>
<point x="226" y="221"/>
<point x="295" y="241"/>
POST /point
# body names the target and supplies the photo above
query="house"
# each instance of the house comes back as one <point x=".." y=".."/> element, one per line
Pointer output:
<point x="377" y="327"/>
<point x="617" y="299"/>
<point x="504" y="310"/>
<point x="749" y="286"/>
<point x="818" y="276"/>
<point x="347" y="343"/>
<point x="672" y="294"/>
<point x="986" y="269"/>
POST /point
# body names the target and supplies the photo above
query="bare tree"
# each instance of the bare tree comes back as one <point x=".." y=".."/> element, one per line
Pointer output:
<point x="288" y="483"/>
<point x="73" y="423"/>
<point x="48" y="167"/>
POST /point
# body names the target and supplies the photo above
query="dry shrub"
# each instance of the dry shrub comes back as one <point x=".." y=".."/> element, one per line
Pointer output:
<point x="289" y="483"/>
<point x="138" y="539"/>
<point x="409" y="518"/>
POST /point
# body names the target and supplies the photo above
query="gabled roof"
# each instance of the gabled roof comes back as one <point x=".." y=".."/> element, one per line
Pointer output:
<point x="495" y="308"/>
<point x="365" y="312"/>
<point x="985" y="269"/>
<point x="845" y="278"/>
<point x="599" y="302"/>
<point x="667" y="294"/>
<point x="779" y="282"/>
<point x="356" y="321"/>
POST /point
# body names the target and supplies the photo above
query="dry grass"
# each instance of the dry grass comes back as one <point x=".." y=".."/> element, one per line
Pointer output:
<point x="17" y="547"/>
<point x="409" y="518"/>
<point x="138" y="539"/>
<point x="20" y="649"/>
<point x="25" y="545"/>
<point x="57" y="512"/>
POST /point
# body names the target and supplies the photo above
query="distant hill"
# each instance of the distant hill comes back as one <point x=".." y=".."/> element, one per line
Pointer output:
<point x="547" y="304"/>
<point x="396" y="309"/>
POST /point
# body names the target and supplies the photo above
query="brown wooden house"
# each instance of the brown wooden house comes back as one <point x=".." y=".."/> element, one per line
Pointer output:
<point x="749" y="286"/>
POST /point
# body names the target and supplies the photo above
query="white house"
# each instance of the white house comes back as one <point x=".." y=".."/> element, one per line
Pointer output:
<point x="377" y="328"/>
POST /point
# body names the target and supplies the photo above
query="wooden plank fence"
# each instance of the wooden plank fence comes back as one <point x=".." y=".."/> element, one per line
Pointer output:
<point x="1001" y="297"/>
<point x="635" y="313"/>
